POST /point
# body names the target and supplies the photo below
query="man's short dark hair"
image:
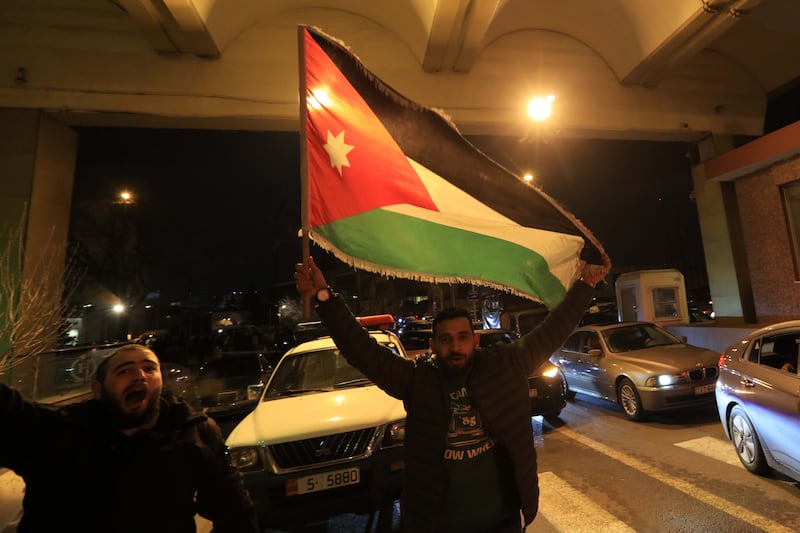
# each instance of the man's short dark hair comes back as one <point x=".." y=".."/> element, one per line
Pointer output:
<point x="102" y="368"/>
<point x="449" y="313"/>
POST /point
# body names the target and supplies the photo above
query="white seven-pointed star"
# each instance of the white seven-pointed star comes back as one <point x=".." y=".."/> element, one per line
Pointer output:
<point x="337" y="150"/>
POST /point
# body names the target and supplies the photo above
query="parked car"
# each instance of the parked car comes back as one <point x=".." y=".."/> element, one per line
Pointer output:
<point x="639" y="365"/>
<point x="323" y="440"/>
<point x="487" y="337"/>
<point x="416" y="341"/>
<point x="547" y="389"/>
<point x="757" y="399"/>
<point x="413" y="324"/>
<point x="231" y="384"/>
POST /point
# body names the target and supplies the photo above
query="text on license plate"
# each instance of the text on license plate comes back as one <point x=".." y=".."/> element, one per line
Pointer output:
<point x="702" y="389"/>
<point x="323" y="481"/>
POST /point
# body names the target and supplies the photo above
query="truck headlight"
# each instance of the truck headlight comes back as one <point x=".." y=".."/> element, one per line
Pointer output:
<point x="246" y="459"/>
<point x="394" y="434"/>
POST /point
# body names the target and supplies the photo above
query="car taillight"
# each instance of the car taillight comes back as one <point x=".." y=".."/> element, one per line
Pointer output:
<point x="721" y="362"/>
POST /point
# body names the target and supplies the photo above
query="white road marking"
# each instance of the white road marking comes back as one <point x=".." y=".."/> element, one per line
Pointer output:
<point x="571" y="511"/>
<point x="714" y="448"/>
<point x="687" y="488"/>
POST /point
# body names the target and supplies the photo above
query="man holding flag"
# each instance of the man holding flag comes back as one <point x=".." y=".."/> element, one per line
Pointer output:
<point x="376" y="164"/>
<point x="470" y="456"/>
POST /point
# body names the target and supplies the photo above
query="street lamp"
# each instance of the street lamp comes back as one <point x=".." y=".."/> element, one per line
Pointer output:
<point x="539" y="108"/>
<point x="125" y="197"/>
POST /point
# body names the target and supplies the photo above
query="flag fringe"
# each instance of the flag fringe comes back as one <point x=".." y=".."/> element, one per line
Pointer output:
<point x="416" y="276"/>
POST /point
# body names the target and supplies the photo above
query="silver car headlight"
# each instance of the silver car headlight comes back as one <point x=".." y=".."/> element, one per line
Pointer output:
<point x="665" y="380"/>
<point x="246" y="459"/>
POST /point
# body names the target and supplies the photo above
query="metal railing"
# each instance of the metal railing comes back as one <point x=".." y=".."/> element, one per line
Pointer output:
<point x="58" y="376"/>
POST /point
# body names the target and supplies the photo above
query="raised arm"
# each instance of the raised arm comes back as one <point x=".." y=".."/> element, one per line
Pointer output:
<point x="386" y="369"/>
<point x="538" y="344"/>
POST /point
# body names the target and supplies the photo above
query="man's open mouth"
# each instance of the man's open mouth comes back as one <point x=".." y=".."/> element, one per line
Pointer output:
<point x="135" y="397"/>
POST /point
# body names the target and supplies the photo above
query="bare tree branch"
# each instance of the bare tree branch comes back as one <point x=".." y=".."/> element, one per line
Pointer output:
<point x="35" y="289"/>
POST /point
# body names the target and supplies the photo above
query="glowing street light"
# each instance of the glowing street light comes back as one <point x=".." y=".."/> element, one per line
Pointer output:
<point x="539" y="108"/>
<point x="125" y="197"/>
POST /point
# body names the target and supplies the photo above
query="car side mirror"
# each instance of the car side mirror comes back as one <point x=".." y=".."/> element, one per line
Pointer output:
<point x="254" y="391"/>
<point x="595" y="353"/>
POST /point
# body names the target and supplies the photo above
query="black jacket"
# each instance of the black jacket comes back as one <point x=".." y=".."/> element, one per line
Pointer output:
<point x="82" y="475"/>
<point x="499" y="388"/>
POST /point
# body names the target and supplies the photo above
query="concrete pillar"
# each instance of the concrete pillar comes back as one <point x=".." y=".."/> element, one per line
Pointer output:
<point x="37" y="165"/>
<point x="726" y="265"/>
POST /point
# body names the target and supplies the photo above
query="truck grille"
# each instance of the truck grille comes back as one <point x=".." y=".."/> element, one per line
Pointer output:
<point x="324" y="449"/>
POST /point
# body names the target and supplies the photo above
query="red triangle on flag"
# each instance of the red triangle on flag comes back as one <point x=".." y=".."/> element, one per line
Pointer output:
<point x="354" y="164"/>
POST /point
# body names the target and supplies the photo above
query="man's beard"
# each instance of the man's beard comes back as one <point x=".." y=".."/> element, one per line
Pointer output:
<point x="123" y="419"/>
<point x="450" y="368"/>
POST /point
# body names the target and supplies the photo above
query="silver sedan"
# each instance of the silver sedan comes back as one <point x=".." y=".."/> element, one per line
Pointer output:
<point x="758" y="398"/>
<point x="639" y="365"/>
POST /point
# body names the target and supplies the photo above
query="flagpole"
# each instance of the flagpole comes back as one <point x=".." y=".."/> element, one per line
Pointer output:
<point x="305" y="225"/>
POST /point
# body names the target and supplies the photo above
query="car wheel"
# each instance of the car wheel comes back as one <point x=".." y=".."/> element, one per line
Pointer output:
<point x="569" y="394"/>
<point x="746" y="442"/>
<point x="629" y="399"/>
<point x="552" y="418"/>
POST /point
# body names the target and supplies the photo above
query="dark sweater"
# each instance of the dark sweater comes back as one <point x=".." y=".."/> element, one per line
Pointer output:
<point x="498" y="385"/>
<point x="82" y="475"/>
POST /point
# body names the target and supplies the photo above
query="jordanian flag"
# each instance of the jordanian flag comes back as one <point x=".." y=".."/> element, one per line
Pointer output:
<point x="394" y="188"/>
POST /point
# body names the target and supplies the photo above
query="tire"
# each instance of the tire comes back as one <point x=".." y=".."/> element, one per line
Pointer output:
<point x="569" y="394"/>
<point x="628" y="397"/>
<point x="553" y="418"/>
<point x="746" y="442"/>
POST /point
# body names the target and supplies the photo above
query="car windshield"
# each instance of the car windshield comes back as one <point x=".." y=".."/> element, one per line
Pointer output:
<point x="319" y="371"/>
<point x="638" y="337"/>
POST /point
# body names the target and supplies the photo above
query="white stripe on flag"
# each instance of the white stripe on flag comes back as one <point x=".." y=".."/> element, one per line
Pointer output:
<point x="460" y="210"/>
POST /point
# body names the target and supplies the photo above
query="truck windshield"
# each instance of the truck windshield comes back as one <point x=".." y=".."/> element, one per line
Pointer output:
<point x="313" y="372"/>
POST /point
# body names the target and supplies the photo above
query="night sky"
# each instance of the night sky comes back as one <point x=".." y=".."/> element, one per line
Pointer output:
<point x="218" y="210"/>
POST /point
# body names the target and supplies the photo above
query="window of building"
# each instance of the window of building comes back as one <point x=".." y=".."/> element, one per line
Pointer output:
<point x="665" y="302"/>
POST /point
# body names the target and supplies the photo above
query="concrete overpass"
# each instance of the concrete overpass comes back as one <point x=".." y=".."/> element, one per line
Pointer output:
<point x="699" y="71"/>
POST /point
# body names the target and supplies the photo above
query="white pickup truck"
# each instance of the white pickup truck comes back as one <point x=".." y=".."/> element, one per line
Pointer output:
<point x="323" y="439"/>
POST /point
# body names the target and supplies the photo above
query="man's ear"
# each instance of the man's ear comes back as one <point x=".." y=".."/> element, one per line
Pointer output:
<point x="477" y="339"/>
<point x="97" y="388"/>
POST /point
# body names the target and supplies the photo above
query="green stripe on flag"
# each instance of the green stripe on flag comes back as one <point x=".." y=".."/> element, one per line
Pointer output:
<point x="396" y="244"/>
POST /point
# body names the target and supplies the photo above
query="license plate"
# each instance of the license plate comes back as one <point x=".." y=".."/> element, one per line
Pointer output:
<point x="533" y="393"/>
<point x="323" y="481"/>
<point x="703" y="389"/>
